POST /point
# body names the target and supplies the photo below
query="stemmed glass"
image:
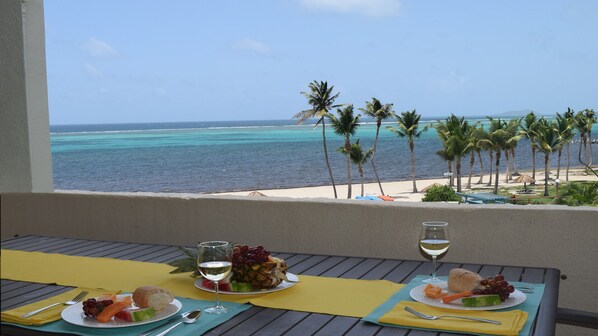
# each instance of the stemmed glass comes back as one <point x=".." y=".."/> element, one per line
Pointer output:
<point x="214" y="261"/>
<point x="434" y="240"/>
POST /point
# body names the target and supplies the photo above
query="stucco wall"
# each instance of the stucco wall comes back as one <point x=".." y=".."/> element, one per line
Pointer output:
<point x="25" y="161"/>
<point x="547" y="236"/>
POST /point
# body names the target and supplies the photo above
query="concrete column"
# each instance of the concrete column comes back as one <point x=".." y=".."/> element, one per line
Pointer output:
<point x="25" y="158"/>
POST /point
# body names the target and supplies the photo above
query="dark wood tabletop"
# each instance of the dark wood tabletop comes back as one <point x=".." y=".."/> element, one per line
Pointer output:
<point x="266" y="321"/>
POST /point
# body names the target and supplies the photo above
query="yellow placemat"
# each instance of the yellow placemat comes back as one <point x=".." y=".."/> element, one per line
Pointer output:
<point x="512" y="321"/>
<point x="51" y="314"/>
<point x="346" y="297"/>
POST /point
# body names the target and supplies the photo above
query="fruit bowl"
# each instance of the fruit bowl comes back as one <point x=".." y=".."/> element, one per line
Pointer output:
<point x="254" y="269"/>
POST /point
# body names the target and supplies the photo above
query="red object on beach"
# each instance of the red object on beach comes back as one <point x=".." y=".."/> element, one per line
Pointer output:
<point x="385" y="198"/>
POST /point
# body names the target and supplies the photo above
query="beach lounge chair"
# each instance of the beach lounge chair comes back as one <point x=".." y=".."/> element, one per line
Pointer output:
<point x="368" y="198"/>
<point x="386" y="198"/>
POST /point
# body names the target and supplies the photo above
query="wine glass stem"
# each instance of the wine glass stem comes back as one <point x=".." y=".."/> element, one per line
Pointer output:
<point x="217" y="294"/>
<point x="434" y="267"/>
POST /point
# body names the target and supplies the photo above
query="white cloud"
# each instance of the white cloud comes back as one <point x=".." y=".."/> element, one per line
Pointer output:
<point x="366" y="7"/>
<point x="91" y="70"/>
<point x="99" y="48"/>
<point x="252" y="45"/>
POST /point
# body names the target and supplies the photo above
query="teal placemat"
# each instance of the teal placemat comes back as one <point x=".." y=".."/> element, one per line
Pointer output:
<point x="531" y="304"/>
<point x="205" y="322"/>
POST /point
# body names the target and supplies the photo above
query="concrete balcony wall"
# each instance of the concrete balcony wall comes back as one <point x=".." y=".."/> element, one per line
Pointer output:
<point x="547" y="236"/>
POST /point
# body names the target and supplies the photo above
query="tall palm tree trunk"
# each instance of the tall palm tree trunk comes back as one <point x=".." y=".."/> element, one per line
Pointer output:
<point x="491" y="154"/>
<point x="374" y="158"/>
<point x="546" y="157"/>
<point x="590" y="141"/>
<point x="581" y="138"/>
<point x="558" y="163"/>
<point x="412" y="149"/>
<point x="326" y="156"/>
<point x="349" y="182"/>
<point x="533" y="162"/>
<point x="471" y="162"/>
<point x="458" y="159"/>
<point x="361" y="176"/>
<point x="481" y="180"/>
<point x="451" y="170"/>
<point x="568" y="160"/>
<point x="515" y="170"/>
<point x="508" y="172"/>
<point x="496" y="175"/>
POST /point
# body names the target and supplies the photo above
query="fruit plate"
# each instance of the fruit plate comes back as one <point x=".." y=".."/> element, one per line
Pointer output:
<point x="417" y="294"/>
<point x="74" y="315"/>
<point x="293" y="279"/>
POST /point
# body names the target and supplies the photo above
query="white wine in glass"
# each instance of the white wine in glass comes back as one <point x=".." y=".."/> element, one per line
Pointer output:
<point x="214" y="261"/>
<point x="434" y="241"/>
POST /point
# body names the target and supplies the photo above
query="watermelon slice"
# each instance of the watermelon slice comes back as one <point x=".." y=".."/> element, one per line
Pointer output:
<point x="223" y="285"/>
<point x="136" y="314"/>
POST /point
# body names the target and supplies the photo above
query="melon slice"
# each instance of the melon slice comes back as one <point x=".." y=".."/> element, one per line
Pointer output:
<point x="481" y="301"/>
<point x="136" y="314"/>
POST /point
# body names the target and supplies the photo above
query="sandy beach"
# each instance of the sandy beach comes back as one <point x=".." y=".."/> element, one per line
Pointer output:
<point x="403" y="190"/>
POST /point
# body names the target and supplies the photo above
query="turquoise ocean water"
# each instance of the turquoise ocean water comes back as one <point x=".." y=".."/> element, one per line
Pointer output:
<point x="204" y="157"/>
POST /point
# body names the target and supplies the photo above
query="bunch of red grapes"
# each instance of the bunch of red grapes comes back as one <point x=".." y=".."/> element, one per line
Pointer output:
<point x="495" y="285"/>
<point x="249" y="256"/>
<point x="92" y="307"/>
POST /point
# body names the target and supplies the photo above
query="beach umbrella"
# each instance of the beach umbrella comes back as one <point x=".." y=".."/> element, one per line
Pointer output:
<point x="432" y="186"/>
<point x="256" y="193"/>
<point x="525" y="179"/>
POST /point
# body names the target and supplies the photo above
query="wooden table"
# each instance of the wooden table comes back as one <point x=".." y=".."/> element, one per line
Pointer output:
<point x="265" y="321"/>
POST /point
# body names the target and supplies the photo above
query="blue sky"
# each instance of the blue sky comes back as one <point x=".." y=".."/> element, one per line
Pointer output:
<point x="113" y="61"/>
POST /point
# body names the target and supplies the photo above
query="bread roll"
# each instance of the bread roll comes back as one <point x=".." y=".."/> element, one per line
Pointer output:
<point x="152" y="296"/>
<point x="461" y="280"/>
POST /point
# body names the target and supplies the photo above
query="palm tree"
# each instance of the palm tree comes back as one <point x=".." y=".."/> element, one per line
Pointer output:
<point x="449" y="158"/>
<point x="509" y="148"/>
<point x="581" y="123"/>
<point x="472" y="138"/>
<point x="380" y="112"/>
<point x="453" y="134"/>
<point x="360" y="158"/>
<point x="345" y="125"/>
<point x="528" y="130"/>
<point x="481" y="134"/>
<point x="498" y="140"/>
<point x="564" y="130"/>
<point x="321" y="100"/>
<point x="570" y="116"/>
<point x="488" y="144"/>
<point x="548" y="142"/>
<point x="408" y="124"/>
<point x="590" y="120"/>
<point x="514" y="125"/>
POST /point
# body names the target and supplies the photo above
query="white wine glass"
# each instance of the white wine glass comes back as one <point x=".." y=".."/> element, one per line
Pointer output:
<point x="214" y="261"/>
<point x="434" y="240"/>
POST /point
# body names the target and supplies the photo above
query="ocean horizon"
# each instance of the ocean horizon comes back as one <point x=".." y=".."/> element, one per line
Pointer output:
<point x="223" y="156"/>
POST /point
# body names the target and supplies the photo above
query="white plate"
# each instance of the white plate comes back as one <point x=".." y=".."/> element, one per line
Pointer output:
<point x="417" y="294"/>
<point x="283" y="285"/>
<point x="74" y="315"/>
